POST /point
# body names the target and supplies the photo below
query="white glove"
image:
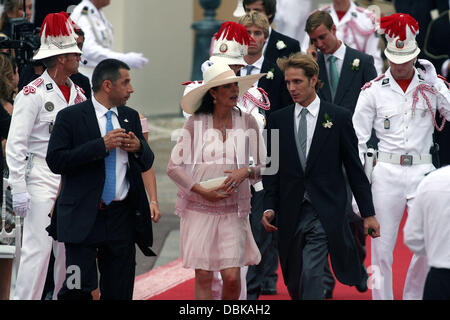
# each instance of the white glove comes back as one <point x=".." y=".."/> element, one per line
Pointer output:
<point x="429" y="75"/>
<point x="135" y="60"/>
<point x="21" y="204"/>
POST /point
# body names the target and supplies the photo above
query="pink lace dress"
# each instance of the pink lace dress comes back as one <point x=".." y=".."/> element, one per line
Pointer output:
<point x="213" y="235"/>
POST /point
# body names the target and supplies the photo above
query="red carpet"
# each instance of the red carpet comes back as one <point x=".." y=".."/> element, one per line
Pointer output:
<point x="402" y="257"/>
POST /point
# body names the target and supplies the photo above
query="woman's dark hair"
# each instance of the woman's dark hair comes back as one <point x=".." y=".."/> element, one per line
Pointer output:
<point x="207" y="105"/>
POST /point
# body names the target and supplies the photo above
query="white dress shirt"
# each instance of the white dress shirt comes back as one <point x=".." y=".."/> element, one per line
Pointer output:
<point x="122" y="184"/>
<point x="340" y="55"/>
<point x="311" y="120"/>
<point x="427" y="229"/>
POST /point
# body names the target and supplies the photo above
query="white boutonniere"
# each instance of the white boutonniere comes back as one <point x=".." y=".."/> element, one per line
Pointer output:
<point x="328" y="124"/>
<point x="270" y="74"/>
<point x="355" y="65"/>
<point x="281" y="45"/>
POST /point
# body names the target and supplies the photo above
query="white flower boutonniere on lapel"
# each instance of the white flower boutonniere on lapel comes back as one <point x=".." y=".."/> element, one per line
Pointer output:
<point x="270" y="74"/>
<point x="355" y="65"/>
<point x="281" y="45"/>
<point x="328" y="124"/>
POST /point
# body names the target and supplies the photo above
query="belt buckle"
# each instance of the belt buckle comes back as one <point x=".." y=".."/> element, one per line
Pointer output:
<point x="406" y="160"/>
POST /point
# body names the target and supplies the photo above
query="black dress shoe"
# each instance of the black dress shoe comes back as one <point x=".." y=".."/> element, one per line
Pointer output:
<point x="328" y="294"/>
<point x="362" y="286"/>
<point x="269" y="291"/>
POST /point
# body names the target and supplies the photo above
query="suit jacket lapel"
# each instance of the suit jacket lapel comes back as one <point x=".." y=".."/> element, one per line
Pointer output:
<point x="325" y="91"/>
<point x="320" y="136"/>
<point x="90" y="118"/>
<point x="123" y="121"/>
<point x="270" y="53"/>
<point x="264" y="68"/>
<point x="345" y="77"/>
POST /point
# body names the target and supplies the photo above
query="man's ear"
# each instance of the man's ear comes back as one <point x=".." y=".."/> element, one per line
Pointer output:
<point x="107" y="85"/>
<point x="313" y="80"/>
<point x="61" y="58"/>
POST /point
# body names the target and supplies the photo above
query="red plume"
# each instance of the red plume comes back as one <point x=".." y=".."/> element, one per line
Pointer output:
<point x="396" y="24"/>
<point x="56" y="25"/>
<point x="231" y="30"/>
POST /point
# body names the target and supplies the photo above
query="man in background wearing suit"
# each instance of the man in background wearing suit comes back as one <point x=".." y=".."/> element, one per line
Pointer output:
<point x="278" y="45"/>
<point x="100" y="152"/>
<point x="308" y="193"/>
<point x="262" y="278"/>
<point x="343" y="71"/>
<point x="257" y="26"/>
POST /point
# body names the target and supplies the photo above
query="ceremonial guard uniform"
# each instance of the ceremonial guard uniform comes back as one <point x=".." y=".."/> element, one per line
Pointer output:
<point x="99" y="39"/>
<point x="404" y="122"/>
<point x="34" y="186"/>
<point x="357" y="29"/>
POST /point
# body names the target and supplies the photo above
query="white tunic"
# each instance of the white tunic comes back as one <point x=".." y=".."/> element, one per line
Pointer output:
<point x="427" y="230"/>
<point x="385" y="107"/>
<point x="35" y="109"/>
<point x="99" y="39"/>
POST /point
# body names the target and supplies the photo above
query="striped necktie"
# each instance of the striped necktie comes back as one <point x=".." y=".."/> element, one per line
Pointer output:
<point x="109" y="189"/>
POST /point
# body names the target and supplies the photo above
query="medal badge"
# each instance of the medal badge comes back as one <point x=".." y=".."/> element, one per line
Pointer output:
<point x="387" y="124"/>
<point x="49" y="106"/>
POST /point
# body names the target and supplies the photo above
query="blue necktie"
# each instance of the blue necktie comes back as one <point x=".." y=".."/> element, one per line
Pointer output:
<point x="249" y="69"/>
<point x="109" y="189"/>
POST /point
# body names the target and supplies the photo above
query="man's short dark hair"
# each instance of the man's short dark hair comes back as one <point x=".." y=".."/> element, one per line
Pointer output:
<point x="108" y="69"/>
<point x="270" y="7"/>
<point x="316" y="19"/>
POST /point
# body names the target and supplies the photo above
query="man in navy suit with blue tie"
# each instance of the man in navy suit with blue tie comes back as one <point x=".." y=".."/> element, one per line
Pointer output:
<point x="98" y="148"/>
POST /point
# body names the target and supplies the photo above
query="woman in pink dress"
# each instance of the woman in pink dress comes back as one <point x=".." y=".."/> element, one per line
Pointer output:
<point x="210" y="165"/>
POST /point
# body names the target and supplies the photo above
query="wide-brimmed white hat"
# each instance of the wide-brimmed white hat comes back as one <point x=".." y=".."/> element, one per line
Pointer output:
<point x="57" y="36"/>
<point x="216" y="75"/>
<point x="230" y="44"/>
<point x="400" y="30"/>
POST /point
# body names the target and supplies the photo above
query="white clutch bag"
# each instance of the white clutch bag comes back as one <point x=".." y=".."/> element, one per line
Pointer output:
<point x="212" y="183"/>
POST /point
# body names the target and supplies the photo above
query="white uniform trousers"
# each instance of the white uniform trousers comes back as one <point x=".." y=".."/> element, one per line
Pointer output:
<point x="42" y="186"/>
<point x="393" y="190"/>
<point x="217" y="283"/>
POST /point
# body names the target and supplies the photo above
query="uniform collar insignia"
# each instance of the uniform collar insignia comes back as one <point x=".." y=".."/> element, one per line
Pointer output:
<point x="385" y="81"/>
<point x="49" y="86"/>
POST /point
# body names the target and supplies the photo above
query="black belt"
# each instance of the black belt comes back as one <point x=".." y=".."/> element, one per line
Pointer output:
<point x="103" y="206"/>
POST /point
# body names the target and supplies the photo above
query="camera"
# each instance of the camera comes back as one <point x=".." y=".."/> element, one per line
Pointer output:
<point x="25" y="40"/>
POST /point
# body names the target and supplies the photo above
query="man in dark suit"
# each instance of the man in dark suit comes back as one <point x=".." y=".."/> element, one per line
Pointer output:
<point x="99" y="150"/>
<point x="278" y="45"/>
<point x="262" y="278"/>
<point x="307" y="193"/>
<point x="343" y="71"/>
